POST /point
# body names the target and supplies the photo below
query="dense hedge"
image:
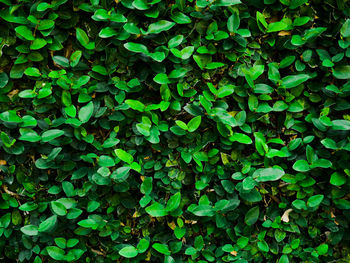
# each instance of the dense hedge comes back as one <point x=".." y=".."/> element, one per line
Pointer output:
<point x="174" y="131"/>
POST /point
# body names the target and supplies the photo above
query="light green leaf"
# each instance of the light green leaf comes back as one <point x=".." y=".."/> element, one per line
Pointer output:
<point x="128" y="252"/>
<point x="30" y="230"/>
<point x="85" y="112"/>
<point x="337" y="179"/>
<point x="301" y="166"/>
<point x="136" y="105"/>
<point x="241" y="138"/>
<point x="268" y="174"/>
<point x="342" y="72"/>
<point x="194" y="123"/>
<point x="25" y="32"/>
<point x="162" y="248"/>
<point x="48" y="224"/>
<point x="51" y="135"/>
<point x="160" y="26"/>
<point x="173" y="202"/>
<point x="124" y="156"/>
<point x="156" y="210"/>
<point x="58" y="208"/>
<point x="315" y="200"/>
<point x="345" y="29"/>
<point x="55" y="252"/>
<point x="294" y="80"/>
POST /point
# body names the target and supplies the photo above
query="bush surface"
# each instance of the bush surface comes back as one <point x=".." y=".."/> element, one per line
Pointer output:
<point x="174" y="131"/>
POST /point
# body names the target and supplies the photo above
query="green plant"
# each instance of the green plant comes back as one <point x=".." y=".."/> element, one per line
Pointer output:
<point x="174" y="131"/>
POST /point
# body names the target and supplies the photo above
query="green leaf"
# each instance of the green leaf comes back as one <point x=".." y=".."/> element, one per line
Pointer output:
<point x="85" y="112"/>
<point x="186" y="52"/>
<point x="32" y="72"/>
<point x="43" y="7"/>
<point x="182" y="125"/>
<point x="294" y="80"/>
<point x="341" y="72"/>
<point x="29" y="135"/>
<point x="322" y="249"/>
<point x="128" y="252"/>
<point x="203" y="210"/>
<point x="68" y="188"/>
<point x="173" y="202"/>
<point x="241" y="138"/>
<point x="315" y="200"/>
<point x="146" y="186"/>
<point x="301" y="166"/>
<point x="43" y="93"/>
<point x="30" y="230"/>
<point x="276" y="26"/>
<point x="227" y="2"/>
<point x="136" y="47"/>
<point x="280" y="235"/>
<point x="262" y="89"/>
<point x="75" y="58"/>
<point x="345" y="29"/>
<point x="58" y="208"/>
<point x="284" y="259"/>
<point x="107" y="32"/>
<point x="38" y="43"/>
<point x="136" y="105"/>
<point x="72" y="242"/>
<point x="30" y="206"/>
<point x="175" y="41"/>
<point x="55" y="252"/>
<point x="214" y="65"/>
<point x="10" y="116"/>
<point x="296" y="3"/>
<point x="51" y="135"/>
<point x="82" y="37"/>
<point x="299" y="204"/>
<point x="162" y="248"/>
<point x="144" y="129"/>
<point x="180" y="18"/>
<point x="242" y="241"/>
<point x="124" y="156"/>
<point x="4" y="79"/>
<point x="248" y="183"/>
<point x="161" y="78"/>
<point x="194" y="123"/>
<point x="337" y="179"/>
<point x="160" y="26"/>
<point x="268" y="174"/>
<point x="48" y="224"/>
<point x="342" y="125"/>
<point x="261" y="21"/>
<point x="263" y="246"/>
<point x="61" y="242"/>
<point x="252" y="216"/>
<point x="143" y="245"/>
<point x="140" y="4"/>
<point x="156" y="210"/>
<point x="233" y="22"/>
<point x="25" y="32"/>
<point x="106" y="161"/>
<point x="100" y="69"/>
<point x="88" y="223"/>
<point x="27" y="94"/>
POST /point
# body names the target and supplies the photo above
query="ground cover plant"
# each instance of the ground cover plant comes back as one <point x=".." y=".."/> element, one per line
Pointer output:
<point x="174" y="131"/>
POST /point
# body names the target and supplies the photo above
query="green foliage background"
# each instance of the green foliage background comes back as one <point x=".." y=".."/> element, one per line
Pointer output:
<point x="174" y="131"/>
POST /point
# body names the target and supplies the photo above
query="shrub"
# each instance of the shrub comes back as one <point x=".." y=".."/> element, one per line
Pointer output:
<point x="174" y="131"/>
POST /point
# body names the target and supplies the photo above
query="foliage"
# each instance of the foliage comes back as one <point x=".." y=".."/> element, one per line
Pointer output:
<point x="174" y="131"/>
